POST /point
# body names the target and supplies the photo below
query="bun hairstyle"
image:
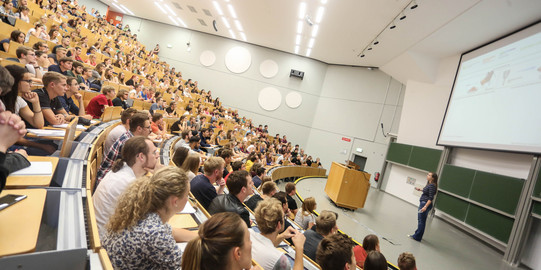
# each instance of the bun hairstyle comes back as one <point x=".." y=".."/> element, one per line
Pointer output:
<point x="216" y="237"/>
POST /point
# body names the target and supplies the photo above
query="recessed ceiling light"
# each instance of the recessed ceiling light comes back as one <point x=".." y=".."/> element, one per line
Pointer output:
<point x="315" y="28"/>
<point x="297" y="49"/>
<point x="299" y="27"/>
<point x="169" y="10"/>
<point x="319" y="14"/>
<point x="243" y="36"/>
<point x="160" y="7"/>
<point x="173" y="20"/>
<point x="308" y="52"/>
<point x="238" y="25"/>
<point x="181" y="22"/>
<point x="226" y="23"/>
<point x="362" y="55"/>
<point x="393" y="26"/>
<point x="376" y="42"/>
<point x="218" y="8"/>
<point x="311" y="42"/>
<point x="302" y="10"/>
<point x="232" y="34"/>
<point x="323" y="2"/>
<point x="232" y="11"/>
<point x="298" y="40"/>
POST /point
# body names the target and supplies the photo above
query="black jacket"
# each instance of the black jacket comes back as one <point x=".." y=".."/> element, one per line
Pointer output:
<point x="229" y="203"/>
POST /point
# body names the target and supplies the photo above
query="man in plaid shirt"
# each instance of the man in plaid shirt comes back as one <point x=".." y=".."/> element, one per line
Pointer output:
<point x="139" y="126"/>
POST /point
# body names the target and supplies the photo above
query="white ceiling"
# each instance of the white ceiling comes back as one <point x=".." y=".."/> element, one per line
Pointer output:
<point x="436" y="28"/>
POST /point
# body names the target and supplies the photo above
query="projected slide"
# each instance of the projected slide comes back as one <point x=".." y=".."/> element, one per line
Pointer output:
<point x="496" y="99"/>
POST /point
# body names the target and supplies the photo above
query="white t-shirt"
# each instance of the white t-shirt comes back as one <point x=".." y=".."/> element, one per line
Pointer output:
<point x="107" y="194"/>
<point x="112" y="137"/>
<point x="19" y="104"/>
<point x="264" y="253"/>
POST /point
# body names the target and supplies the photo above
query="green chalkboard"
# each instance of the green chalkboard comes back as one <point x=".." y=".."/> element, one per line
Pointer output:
<point x="536" y="209"/>
<point x="452" y="206"/>
<point x="456" y="180"/>
<point x="425" y="158"/>
<point x="498" y="191"/>
<point x="399" y="153"/>
<point x="494" y="224"/>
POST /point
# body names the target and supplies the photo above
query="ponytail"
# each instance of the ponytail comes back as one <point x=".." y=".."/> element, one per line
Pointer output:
<point x="191" y="259"/>
<point x="147" y="195"/>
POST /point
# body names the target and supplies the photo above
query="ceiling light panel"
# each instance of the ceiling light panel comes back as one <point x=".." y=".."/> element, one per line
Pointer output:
<point x="315" y="29"/>
<point x="125" y="8"/>
<point x="173" y="20"/>
<point x="308" y="52"/>
<point x="299" y="27"/>
<point x="311" y="43"/>
<point x="232" y="11"/>
<point x="160" y="7"/>
<point x="218" y="8"/>
<point x="226" y="23"/>
<point x="319" y="14"/>
<point x="239" y="26"/>
<point x="298" y="40"/>
<point x="297" y="49"/>
<point x="168" y="9"/>
<point x="243" y="36"/>
<point x="232" y="34"/>
<point x="302" y="10"/>
<point x="181" y="22"/>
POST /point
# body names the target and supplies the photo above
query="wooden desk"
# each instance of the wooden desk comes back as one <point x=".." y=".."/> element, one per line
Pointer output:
<point x="34" y="180"/>
<point x="184" y="221"/>
<point x="20" y="223"/>
<point x="52" y="138"/>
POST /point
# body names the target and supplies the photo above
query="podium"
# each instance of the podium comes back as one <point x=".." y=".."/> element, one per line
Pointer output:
<point x="347" y="187"/>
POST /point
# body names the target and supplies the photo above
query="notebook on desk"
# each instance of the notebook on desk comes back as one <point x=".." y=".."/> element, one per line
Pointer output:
<point x="36" y="168"/>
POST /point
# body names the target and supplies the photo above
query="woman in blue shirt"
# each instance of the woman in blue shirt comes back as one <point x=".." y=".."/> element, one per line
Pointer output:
<point x="426" y="202"/>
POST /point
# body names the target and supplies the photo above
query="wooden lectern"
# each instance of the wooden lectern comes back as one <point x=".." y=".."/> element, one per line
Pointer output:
<point x="347" y="187"/>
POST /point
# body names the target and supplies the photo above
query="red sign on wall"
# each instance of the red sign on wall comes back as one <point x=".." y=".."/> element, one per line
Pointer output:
<point x="346" y="139"/>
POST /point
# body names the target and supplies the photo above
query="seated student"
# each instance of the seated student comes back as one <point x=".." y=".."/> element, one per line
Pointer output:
<point x="158" y="125"/>
<point x="204" y="135"/>
<point x="97" y="104"/>
<point x="191" y="165"/>
<point x="375" y="261"/>
<point x="179" y="156"/>
<point x="180" y="125"/>
<point x="67" y="101"/>
<point x="139" y="155"/>
<point x="57" y="54"/>
<point x="257" y="171"/>
<point x="121" y="98"/>
<point x="240" y="186"/>
<point x="335" y="252"/>
<point x="138" y="235"/>
<point x="54" y="86"/>
<point x="117" y="131"/>
<point x="306" y="218"/>
<point x="291" y="189"/>
<point x="370" y="243"/>
<point x="270" y="221"/>
<point x="184" y="141"/>
<point x="156" y="106"/>
<point x="139" y="126"/>
<point x="223" y="243"/>
<point x="281" y="196"/>
<point x="235" y="166"/>
<point x="325" y="226"/>
<point x="65" y="64"/>
<point x="406" y="261"/>
<point x="202" y="186"/>
<point x="269" y="189"/>
<point x="226" y="154"/>
<point x="15" y="36"/>
<point x="172" y="110"/>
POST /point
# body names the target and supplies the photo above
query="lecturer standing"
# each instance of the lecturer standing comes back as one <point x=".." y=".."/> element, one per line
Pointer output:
<point x="426" y="201"/>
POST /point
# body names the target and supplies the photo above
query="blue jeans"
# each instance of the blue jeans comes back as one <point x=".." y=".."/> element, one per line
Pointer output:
<point x="421" y="219"/>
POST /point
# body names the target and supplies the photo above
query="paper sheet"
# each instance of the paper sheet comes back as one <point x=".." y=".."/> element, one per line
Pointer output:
<point x="66" y="125"/>
<point x="36" y="168"/>
<point x="188" y="209"/>
<point x="47" y="132"/>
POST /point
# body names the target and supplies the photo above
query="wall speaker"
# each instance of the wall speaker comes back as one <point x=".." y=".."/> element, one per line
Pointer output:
<point x="297" y="73"/>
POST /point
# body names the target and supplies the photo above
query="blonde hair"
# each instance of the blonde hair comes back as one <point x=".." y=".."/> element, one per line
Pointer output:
<point x="212" y="164"/>
<point x="147" y="195"/>
<point x="267" y="215"/>
<point x="308" y="206"/>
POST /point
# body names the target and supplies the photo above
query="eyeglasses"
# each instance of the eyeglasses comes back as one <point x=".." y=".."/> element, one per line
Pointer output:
<point x="28" y="81"/>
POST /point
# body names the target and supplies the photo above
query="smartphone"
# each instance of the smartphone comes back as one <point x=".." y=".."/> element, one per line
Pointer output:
<point x="10" y="199"/>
